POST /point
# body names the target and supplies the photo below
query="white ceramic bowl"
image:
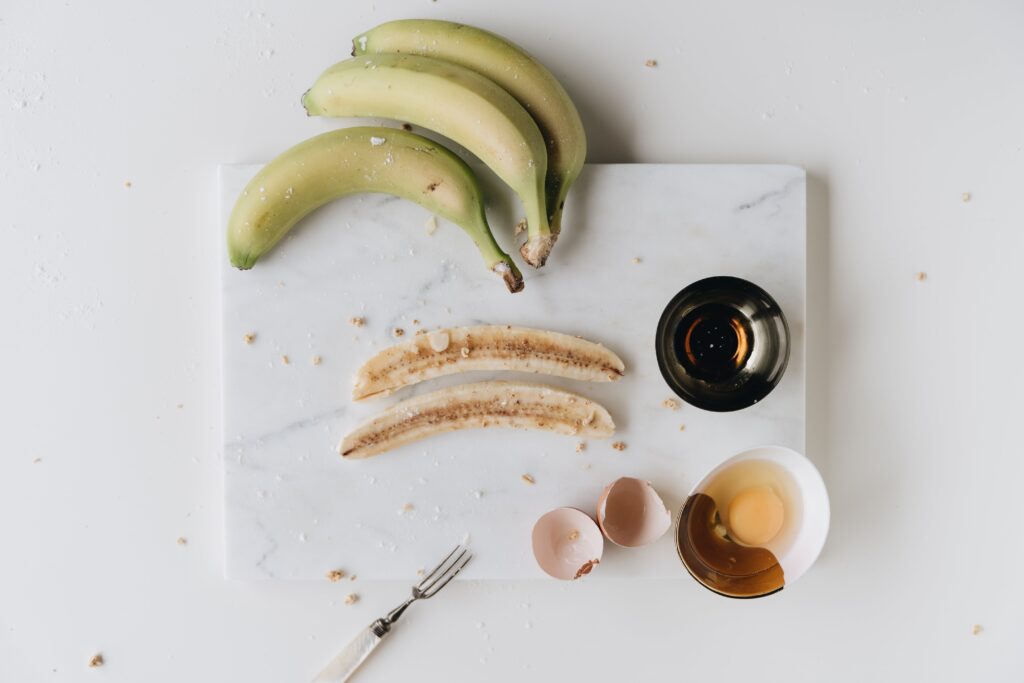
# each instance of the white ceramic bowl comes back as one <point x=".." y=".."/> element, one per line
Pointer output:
<point x="729" y="568"/>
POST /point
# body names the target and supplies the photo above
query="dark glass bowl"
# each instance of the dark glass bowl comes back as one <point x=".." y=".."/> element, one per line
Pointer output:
<point x="722" y="343"/>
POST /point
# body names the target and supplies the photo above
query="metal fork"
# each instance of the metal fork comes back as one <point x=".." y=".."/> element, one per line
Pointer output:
<point x="342" y="667"/>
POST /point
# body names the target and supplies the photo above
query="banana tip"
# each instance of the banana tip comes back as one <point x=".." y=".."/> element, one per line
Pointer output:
<point x="537" y="249"/>
<point x="511" y="275"/>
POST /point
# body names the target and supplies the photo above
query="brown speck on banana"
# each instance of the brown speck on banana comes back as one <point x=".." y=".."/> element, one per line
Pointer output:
<point x="485" y="348"/>
<point x="474" y="406"/>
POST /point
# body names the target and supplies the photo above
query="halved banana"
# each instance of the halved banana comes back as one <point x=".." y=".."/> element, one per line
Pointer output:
<point x="484" y="347"/>
<point x="473" y="406"/>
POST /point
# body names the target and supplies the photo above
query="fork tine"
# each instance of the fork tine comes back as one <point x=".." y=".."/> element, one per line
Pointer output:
<point x="437" y="568"/>
<point x="435" y="591"/>
<point x="445" y="571"/>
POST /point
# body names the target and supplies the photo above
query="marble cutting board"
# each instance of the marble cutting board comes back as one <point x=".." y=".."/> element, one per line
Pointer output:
<point x="634" y="234"/>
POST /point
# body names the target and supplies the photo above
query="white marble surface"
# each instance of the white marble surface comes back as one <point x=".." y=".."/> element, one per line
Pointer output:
<point x="295" y="509"/>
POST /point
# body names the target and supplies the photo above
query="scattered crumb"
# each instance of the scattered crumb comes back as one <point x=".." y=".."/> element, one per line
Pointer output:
<point x="285" y="360"/>
<point x="302" y="537"/>
<point x="478" y="494"/>
<point x="682" y="428"/>
<point x="406" y="126"/>
<point x="421" y="571"/>
<point x="179" y="406"/>
<point x="966" y="197"/>
<point x="586" y="466"/>
<point x="921" y="276"/>
<point x="636" y="260"/>
<point x="419" y="331"/>
<point x="528" y="478"/>
<point x="351" y="599"/>
<point x="415" y="321"/>
<point x="357" y="322"/>
<point x="521" y="226"/>
<point x="651" y="63"/>
<point x="249" y="337"/>
<point x="398" y="332"/>
<point x="352" y="578"/>
<point x="408" y="507"/>
<point x="573" y="535"/>
<point x="182" y="540"/>
<point x="128" y="184"/>
<point x="336" y="575"/>
<point x="619" y="445"/>
<point x="36" y="461"/>
<point x="97" y="660"/>
<point x="581" y="446"/>
<point x="977" y="629"/>
<point x="317" y="360"/>
<point x="670" y="403"/>
<point x="431" y="225"/>
<point x="280" y="283"/>
<point x="465" y="352"/>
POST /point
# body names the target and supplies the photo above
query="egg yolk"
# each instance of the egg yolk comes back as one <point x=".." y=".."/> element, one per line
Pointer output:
<point x="756" y="515"/>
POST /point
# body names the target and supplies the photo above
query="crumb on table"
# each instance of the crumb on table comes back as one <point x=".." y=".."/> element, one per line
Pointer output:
<point x="976" y="630"/>
<point x="97" y="660"/>
<point x="682" y="428"/>
<point x="619" y="445"/>
<point x="573" y="535"/>
<point x="249" y="337"/>
<point x="670" y="403"/>
<point x="336" y="575"/>
<point x="528" y="478"/>
<point x="431" y="225"/>
<point x="651" y="63"/>
<point x="36" y="461"/>
<point x="965" y="197"/>
<point x="285" y="360"/>
<point x="317" y="360"/>
<point x="351" y="599"/>
<point x="182" y="540"/>
<point x="407" y="508"/>
<point x="421" y="571"/>
<point x="128" y="184"/>
<point x="921" y="276"/>
<point x="636" y="260"/>
<point x="398" y="332"/>
<point x="357" y="321"/>
<point x="581" y="446"/>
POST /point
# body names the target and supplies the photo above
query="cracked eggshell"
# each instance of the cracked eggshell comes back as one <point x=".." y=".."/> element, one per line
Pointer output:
<point x="567" y="543"/>
<point x="631" y="513"/>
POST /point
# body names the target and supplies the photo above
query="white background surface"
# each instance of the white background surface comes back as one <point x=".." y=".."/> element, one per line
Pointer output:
<point x="110" y="319"/>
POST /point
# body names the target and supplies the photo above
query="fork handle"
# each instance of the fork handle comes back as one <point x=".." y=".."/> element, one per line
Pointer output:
<point x="341" y="668"/>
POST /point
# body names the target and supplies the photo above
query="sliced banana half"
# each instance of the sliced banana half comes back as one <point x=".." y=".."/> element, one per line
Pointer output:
<point x="485" y="348"/>
<point x="480" y="405"/>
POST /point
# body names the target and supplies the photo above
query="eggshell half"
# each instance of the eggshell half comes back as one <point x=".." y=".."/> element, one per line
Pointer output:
<point x="567" y="543"/>
<point x="631" y="513"/>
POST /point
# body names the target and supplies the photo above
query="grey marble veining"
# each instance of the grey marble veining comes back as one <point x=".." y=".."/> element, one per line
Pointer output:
<point x="295" y="510"/>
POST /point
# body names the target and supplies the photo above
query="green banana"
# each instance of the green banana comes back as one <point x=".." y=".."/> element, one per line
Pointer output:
<point x="513" y="69"/>
<point x="365" y="159"/>
<point x="454" y="101"/>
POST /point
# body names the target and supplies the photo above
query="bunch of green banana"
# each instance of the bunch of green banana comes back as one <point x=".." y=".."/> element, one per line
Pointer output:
<point x="523" y="77"/>
<point x="366" y="159"/>
<point x="466" y="84"/>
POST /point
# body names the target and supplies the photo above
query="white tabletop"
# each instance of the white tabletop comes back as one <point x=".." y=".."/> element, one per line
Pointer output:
<point x="109" y="297"/>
